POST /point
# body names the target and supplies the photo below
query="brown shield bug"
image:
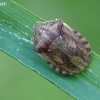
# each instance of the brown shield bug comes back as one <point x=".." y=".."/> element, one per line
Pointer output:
<point x="65" y="49"/>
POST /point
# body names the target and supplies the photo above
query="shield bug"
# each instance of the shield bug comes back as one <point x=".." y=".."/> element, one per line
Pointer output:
<point x="65" y="49"/>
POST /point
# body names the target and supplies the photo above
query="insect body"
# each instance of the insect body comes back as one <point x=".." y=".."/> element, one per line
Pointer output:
<point x="65" y="49"/>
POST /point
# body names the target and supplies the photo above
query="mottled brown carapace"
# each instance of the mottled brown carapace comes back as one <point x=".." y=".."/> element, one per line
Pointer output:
<point x="65" y="49"/>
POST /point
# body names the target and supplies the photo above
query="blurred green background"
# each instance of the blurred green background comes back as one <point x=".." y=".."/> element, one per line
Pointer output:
<point x="18" y="82"/>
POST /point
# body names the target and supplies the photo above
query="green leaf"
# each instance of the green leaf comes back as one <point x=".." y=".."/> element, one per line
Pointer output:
<point x="15" y="39"/>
